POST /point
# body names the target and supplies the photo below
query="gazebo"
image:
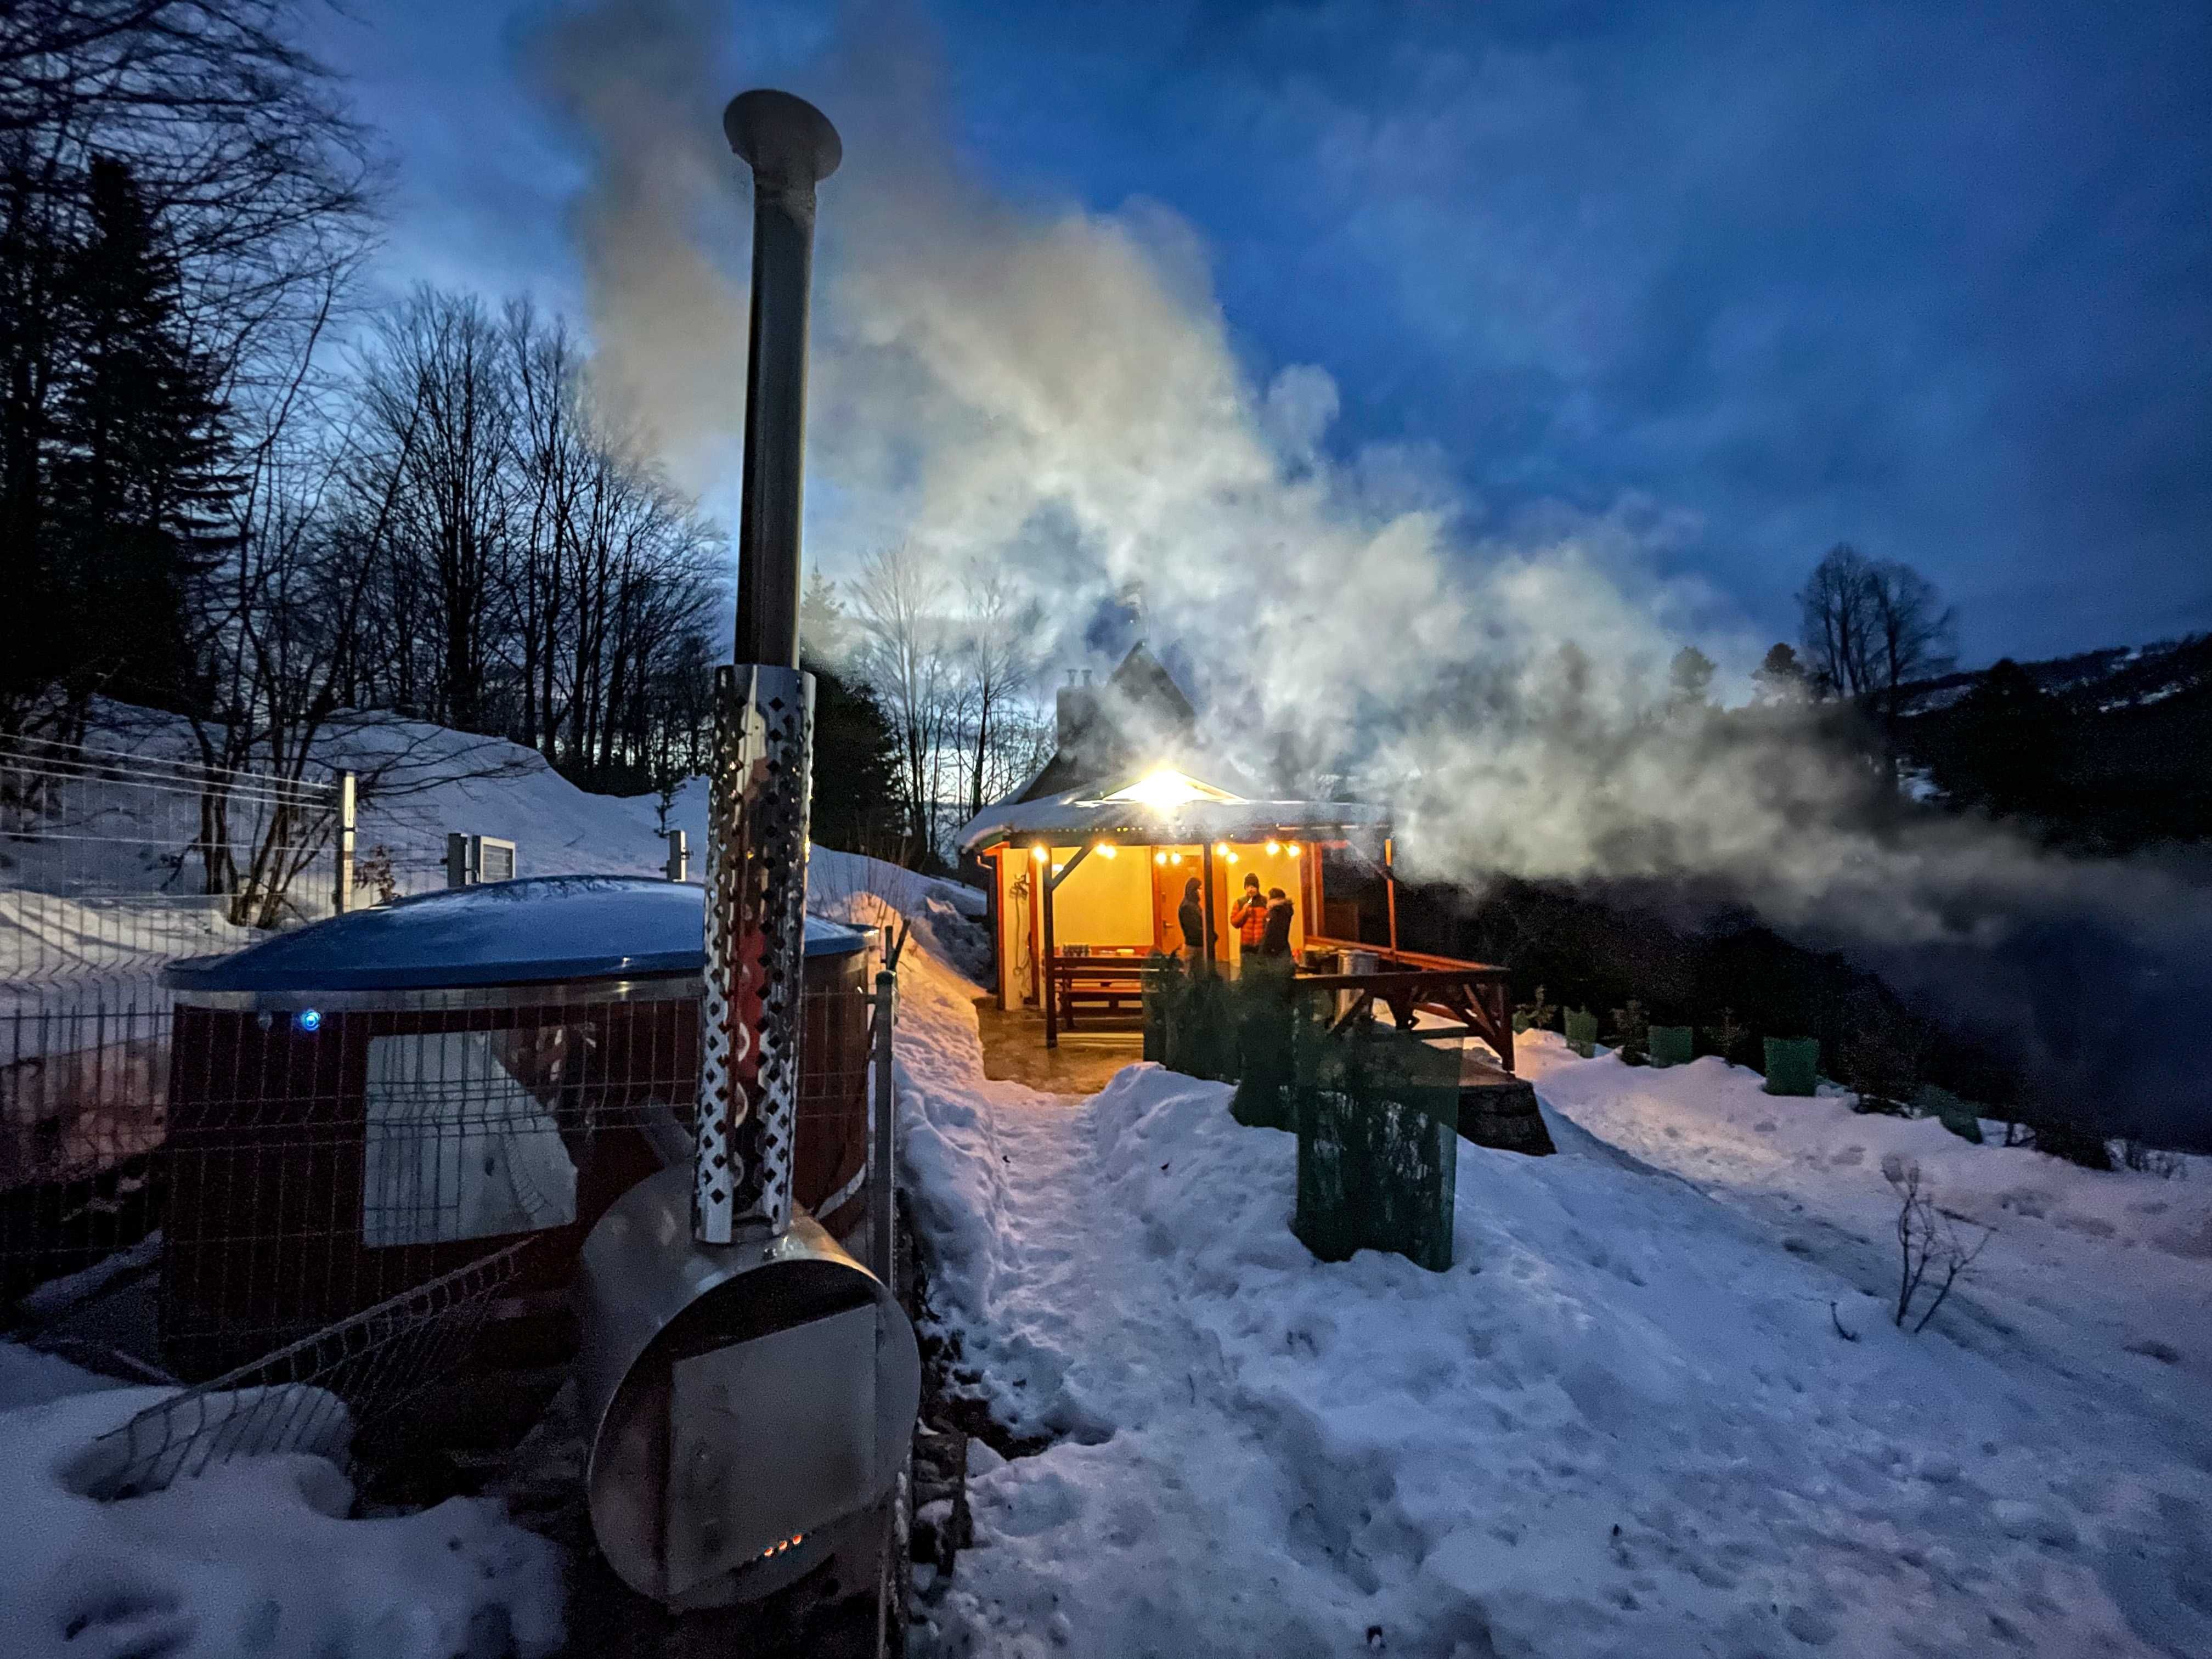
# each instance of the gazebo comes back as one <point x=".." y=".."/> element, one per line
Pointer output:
<point x="1088" y="864"/>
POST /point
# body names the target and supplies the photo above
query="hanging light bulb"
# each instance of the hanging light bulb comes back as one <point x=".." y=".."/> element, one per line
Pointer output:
<point x="1175" y="858"/>
<point x="1293" y="849"/>
<point x="1274" y="848"/>
<point x="1233" y="857"/>
<point x="1159" y="858"/>
<point x="1221" y="847"/>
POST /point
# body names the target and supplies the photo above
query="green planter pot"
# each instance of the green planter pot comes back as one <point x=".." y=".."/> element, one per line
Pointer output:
<point x="1670" y="1045"/>
<point x="1793" y="1066"/>
<point x="1582" y="1033"/>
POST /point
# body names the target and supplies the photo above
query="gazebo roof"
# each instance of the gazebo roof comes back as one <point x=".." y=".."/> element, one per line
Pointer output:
<point x="1172" y="817"/>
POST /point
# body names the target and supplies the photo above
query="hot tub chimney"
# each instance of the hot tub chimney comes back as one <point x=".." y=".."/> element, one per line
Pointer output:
<point x="764" y="712"/>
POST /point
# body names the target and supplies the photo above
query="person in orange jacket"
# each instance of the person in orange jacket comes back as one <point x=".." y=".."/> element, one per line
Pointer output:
<point x="1249" y="916"/>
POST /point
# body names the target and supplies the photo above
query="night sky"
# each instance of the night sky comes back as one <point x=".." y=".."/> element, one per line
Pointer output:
<point x="1935" y="279"/>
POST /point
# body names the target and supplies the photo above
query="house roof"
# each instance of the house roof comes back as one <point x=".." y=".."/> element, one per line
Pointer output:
<point x="1136" y="726"/>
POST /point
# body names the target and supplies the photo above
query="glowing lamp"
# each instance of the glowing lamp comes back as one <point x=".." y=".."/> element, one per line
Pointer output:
<point x="1104" y="849"/>
<point x="1293" y="849"/>
<point x="310" y="1020"/>
<point x="1274" y="848"/>
<point x="1159" y="858"/>
<point x="1162" y="789"/>
<point x="1221" y="847"/>
<point x="1037" y="853"/>
<point x="1175" y="858"/>
<point x="1233" y="857"/>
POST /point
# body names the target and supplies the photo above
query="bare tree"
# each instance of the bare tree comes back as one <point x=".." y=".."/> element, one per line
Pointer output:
<point x="998" y="662"/>
<point x="1931" y="1250"/>
<point x="1871" y="627"/>
<point x="907" y="655"/>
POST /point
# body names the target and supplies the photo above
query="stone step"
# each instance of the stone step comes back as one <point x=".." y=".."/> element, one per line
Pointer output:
<point x="1499" y="1110"/>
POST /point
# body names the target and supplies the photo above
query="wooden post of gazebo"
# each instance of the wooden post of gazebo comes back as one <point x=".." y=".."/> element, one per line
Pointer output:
<point x="1045" y="884"/>
<point x="1205" y="869"/>
<point x="1390" y="887"/>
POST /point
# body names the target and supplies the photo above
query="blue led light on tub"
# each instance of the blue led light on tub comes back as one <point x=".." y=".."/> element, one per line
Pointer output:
<point x="311" y="1019"/>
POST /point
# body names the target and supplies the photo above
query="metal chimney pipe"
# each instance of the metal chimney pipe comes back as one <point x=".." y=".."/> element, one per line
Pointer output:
<point x="791" y="147"/>
<point x="755" y="922"/>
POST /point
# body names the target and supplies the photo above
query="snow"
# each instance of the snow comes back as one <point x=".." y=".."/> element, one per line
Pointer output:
<point x="253" y="1556"/>
<point x="1624" y="1422"/>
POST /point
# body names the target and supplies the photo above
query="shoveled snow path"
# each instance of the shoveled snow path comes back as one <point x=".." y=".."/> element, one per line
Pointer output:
<point x="1623" y="1424"/>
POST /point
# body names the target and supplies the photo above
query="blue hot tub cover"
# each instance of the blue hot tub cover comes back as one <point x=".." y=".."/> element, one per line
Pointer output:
<point x="537" y="930"/>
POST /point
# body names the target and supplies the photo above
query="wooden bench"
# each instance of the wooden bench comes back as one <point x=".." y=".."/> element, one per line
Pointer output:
<point x="1112" y="985"/>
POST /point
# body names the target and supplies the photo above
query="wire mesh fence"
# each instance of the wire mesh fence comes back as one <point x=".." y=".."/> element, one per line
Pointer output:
<point x="113" y="864"/>
<point x="324" y="1394"/>
<point x="318" y="1160"/>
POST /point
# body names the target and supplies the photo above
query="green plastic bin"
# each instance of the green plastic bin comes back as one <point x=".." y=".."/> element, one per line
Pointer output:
<point x="1261" y="999"/>
<point x="1582" y="1033"/>
<point x="1958" y="1116"/>
<point x="1378" y="1143"/>
<point x="1793" y="1066"/>
<point x="1669" y="1045"/>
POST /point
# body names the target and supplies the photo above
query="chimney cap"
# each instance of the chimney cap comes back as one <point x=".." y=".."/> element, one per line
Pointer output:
<point x="783" y="137"/>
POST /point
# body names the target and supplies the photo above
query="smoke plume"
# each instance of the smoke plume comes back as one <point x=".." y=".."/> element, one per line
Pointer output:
<point x="1055" y="389"/>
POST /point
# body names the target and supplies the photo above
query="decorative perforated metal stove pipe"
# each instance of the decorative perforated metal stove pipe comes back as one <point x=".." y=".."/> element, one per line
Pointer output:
<point x="763" y="714"/>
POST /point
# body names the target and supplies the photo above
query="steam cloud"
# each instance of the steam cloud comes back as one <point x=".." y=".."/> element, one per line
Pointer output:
<point x="1055" y="389"/>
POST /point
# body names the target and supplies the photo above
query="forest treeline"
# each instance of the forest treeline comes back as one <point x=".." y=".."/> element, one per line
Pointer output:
<point x="237" y="488"/>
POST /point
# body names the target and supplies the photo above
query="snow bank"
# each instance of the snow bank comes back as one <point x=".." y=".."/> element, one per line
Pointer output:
<point x="2118" y="1265"/>
<point x="254" y="1557"/>
<point x="1625" y="1422"/>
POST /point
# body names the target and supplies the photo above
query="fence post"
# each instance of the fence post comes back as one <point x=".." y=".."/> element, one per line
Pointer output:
<point x="882" y="1146"/>
<point x="342" y="900"/>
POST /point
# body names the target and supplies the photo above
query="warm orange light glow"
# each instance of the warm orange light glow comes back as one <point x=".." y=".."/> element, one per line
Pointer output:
<point x="1104" y="849"/>
<point x="1175" y="858"/>
<point x="1233" y="857"/>
<point x="1274" y="848"/>
<point x="1221" y="847"/>
<point x="1293" y="849"/>
<point x="1159" y="858"/>
<point x="1164" y="788"/>
<point x="1037" y="853"/>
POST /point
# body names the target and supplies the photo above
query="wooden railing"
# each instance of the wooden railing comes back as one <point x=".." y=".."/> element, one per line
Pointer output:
<point x="1477" y="995"/>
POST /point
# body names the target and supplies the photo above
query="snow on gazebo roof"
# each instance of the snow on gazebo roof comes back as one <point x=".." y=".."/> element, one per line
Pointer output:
<point x="1166" y="806"/>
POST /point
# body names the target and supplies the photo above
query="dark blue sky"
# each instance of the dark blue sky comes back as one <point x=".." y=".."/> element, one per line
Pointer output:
<point x="1934" y="278"/>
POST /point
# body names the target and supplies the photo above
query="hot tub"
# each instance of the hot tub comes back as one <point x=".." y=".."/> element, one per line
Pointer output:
<point x="359" y="1106"/>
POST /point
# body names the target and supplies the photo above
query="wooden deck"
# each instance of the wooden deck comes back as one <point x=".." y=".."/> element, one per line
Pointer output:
<point x="1084" y="1062"/>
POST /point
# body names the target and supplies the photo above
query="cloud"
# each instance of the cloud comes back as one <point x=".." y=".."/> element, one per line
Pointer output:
<point x="1055" y="389"/>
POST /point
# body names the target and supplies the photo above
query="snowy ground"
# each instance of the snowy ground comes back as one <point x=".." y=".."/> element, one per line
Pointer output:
<point x="1623" y="1424"/>
<point x="254" y="1557"/>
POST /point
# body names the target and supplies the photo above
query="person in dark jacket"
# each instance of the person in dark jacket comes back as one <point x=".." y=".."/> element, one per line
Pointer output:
<point x="1276" y="941"/>
<point x="1191" y="914"/>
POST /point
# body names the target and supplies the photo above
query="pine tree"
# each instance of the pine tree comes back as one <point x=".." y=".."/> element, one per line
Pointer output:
<point x="141" y="474"/>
